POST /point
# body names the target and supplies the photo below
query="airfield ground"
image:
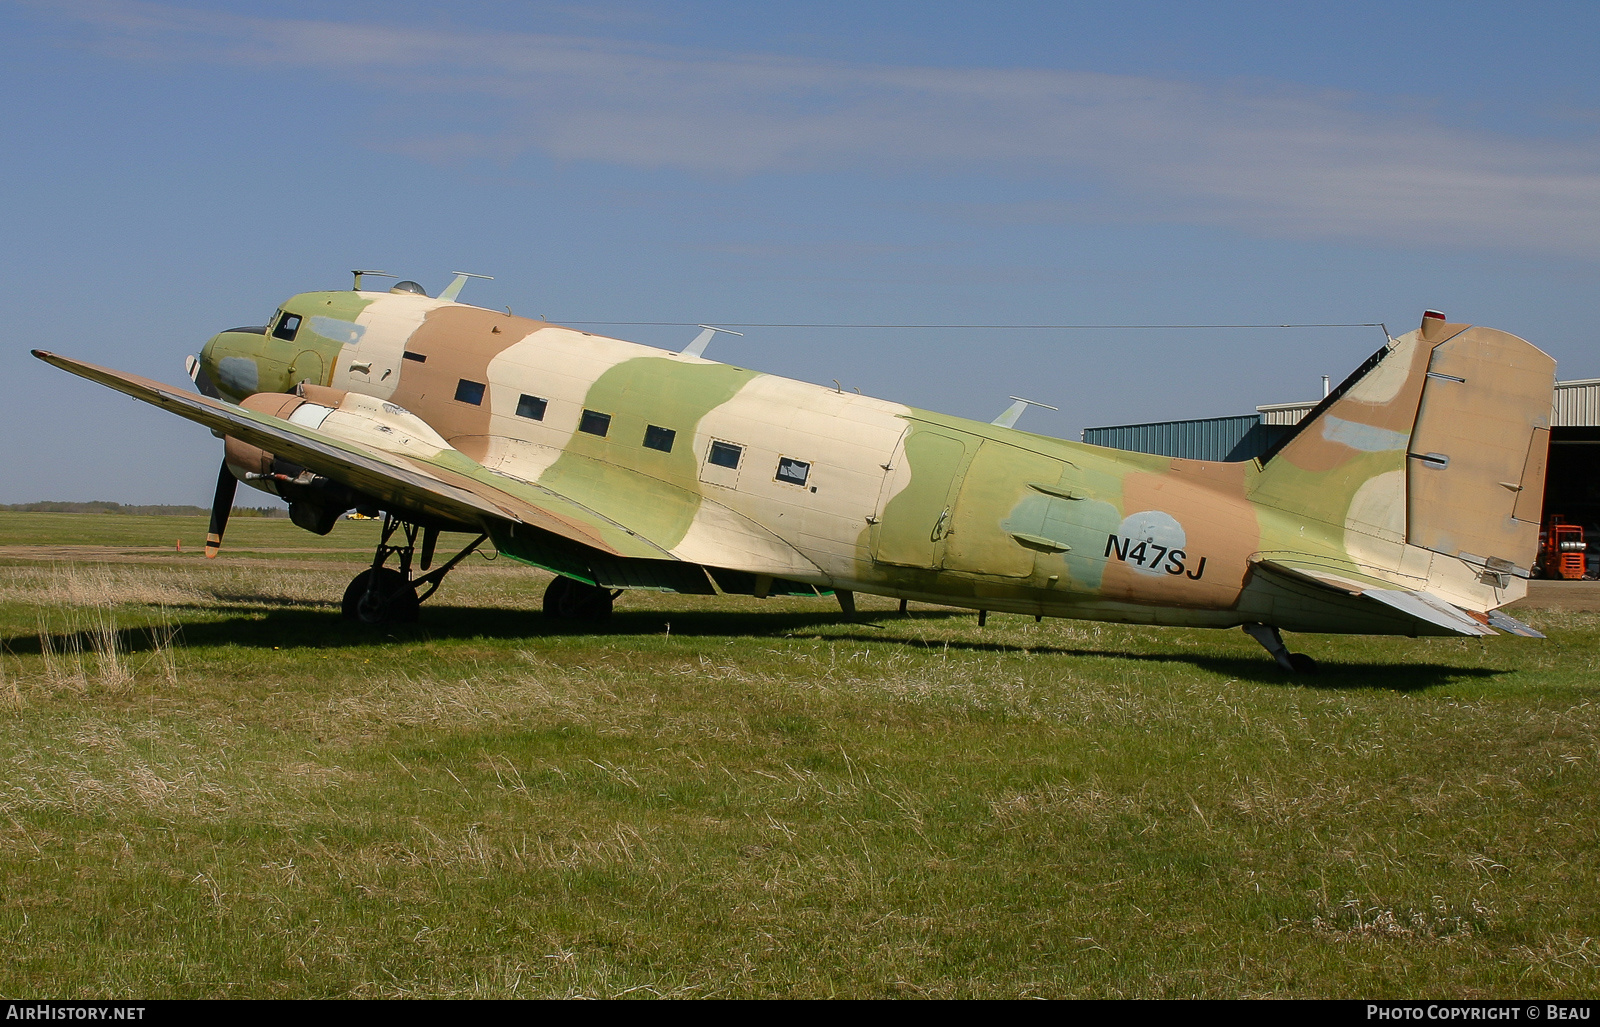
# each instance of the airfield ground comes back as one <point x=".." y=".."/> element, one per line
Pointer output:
<point x="210" y="785"/>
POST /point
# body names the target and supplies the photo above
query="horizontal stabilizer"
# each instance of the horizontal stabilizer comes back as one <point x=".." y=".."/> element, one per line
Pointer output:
<point x="1382" y="597"/>
<point x="1435" y="611"/>
<point x="1316" y="576"/>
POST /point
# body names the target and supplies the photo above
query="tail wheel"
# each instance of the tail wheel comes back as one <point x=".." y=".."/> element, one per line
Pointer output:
<point x="566" y="599"/>
<point x="391" y="600"/>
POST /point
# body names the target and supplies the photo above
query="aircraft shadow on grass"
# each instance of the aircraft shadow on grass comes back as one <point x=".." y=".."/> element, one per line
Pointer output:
<point x="280" y="626"/>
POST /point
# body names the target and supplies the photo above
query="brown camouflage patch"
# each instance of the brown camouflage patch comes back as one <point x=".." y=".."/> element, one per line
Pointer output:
<point x="458" y="343"/>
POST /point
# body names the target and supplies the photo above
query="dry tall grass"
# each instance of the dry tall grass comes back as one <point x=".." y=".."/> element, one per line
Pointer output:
<point x="84" y="625"/>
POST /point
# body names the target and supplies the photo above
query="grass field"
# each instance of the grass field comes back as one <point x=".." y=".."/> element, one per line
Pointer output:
<point x="211" y="785"/>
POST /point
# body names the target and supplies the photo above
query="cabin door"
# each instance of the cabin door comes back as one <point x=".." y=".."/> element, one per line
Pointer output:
<point x="918" y="499"/>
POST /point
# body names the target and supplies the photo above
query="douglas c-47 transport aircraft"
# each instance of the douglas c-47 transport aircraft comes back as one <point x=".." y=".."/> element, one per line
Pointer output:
<point x="1407" y="502"/>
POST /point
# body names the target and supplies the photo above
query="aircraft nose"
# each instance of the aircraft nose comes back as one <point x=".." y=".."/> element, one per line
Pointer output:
<point x="228" y="363"/>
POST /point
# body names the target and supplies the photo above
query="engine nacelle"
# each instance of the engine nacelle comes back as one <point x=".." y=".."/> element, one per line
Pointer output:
<point x="316" y="502"/>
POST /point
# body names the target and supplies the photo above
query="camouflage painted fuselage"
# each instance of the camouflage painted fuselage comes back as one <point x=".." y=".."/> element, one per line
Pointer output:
<point x="774" y="485"/>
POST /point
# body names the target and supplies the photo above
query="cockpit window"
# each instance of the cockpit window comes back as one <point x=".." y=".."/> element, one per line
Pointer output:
<point x="287" y="326"/>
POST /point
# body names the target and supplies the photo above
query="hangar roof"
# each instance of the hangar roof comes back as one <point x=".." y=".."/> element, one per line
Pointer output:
<point x="1577" y="405"/>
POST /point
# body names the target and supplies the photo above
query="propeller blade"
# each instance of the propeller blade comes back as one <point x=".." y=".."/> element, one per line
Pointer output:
<point x="221" y="507"/>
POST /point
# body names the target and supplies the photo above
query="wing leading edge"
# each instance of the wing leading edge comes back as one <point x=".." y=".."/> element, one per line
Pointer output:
<point x="449" y="485"/>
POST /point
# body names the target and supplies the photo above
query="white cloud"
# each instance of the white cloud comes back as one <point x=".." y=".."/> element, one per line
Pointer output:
<point x="1278" y="163"/>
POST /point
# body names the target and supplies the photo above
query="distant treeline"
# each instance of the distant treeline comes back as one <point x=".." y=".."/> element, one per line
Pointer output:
<point x="139" y="511"/>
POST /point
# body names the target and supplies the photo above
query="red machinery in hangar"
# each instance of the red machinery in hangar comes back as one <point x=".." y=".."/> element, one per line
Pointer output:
<point x="1563" y="552"/>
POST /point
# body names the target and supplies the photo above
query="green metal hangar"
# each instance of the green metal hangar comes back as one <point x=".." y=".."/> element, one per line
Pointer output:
<point x="1572" y="477"/>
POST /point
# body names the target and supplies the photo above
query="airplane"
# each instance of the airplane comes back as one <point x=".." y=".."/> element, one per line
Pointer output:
<point x="1406" y="503"/>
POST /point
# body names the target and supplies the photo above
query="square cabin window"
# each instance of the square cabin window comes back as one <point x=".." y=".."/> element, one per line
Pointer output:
<point x="659" y="438"/>
<point x="288" y="325"/>
<point x="595" y="423"/>
<point x="725" y="454"/>
<point x="531" y="407"/>
<point x="793" y="471"/>
<point x="469" y="392"/>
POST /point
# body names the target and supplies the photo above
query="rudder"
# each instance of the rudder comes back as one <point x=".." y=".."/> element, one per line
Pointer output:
<point x="1475" y="467"/>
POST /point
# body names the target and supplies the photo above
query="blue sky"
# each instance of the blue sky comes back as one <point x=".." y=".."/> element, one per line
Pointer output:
<point x="170" y="170"/>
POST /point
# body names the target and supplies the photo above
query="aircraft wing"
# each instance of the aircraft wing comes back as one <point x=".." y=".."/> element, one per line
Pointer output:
<point x="1385" y="598"/>
<point x="450" y="486"/>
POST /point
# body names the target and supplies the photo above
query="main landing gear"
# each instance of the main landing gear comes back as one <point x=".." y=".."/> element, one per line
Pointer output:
<point x="1272" y="641"/>
<point x="568" y="599"/>
<point x="384" y="595"/>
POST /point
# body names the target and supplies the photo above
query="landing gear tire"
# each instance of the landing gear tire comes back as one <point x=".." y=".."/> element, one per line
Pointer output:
<point x="566" y="599"/>
<point x="392" y="601"/>
<point x="1302" y="663"/>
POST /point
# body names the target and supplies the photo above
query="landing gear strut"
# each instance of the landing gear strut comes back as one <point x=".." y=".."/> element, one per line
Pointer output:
<point x="567" y="599"/>
<point x="1272" y="642"/>
<point x="384" y="595"/>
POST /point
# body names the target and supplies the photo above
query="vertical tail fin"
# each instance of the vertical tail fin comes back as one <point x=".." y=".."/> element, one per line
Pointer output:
<point x="1437" y="442"/>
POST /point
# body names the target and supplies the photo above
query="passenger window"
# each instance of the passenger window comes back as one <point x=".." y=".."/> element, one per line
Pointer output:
<point x="595" y="423"/>
<point x="793" y="471"/>
<point x="725" y="454"/>
<point x="421" y="358"/>
<point x="531" y="407"/>
<point x="469" y="392"/>
<point x="288" y="324"/>
<point x="659" y="438"/>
